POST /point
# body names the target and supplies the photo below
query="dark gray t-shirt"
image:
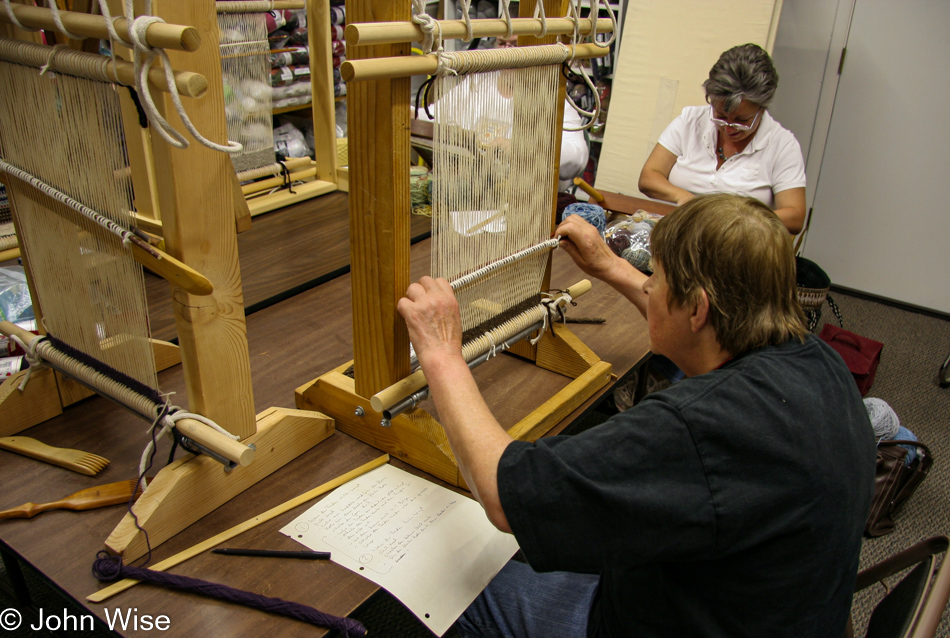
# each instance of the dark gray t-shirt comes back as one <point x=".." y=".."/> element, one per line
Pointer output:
<point x="731" y="504"/>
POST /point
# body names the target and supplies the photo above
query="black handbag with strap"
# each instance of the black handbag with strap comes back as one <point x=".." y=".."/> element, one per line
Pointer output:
<point x="894" y="482"/>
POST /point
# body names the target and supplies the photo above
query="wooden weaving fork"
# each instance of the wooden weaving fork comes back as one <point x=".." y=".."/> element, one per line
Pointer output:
<point x="75" y="460"/>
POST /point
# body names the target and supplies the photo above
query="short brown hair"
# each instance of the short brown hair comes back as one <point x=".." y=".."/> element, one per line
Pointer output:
<point x="738" y="251"/>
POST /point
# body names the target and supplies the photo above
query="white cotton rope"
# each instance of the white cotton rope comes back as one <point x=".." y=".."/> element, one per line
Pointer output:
<point x="246" y="6"/>
<point x="127" y="236"/>
<point x="485" y="60"/>
<point x="32" y="357"/>
<point x="473" y="276"/>
<point x="172" y="415"/>
<point x="143" y="57"/>
<point x="59" y="21"/>
<point x="431" y="29"/>
<point x="13" y="18"/>
<point x="141" y="49"/>
<point x="574" y="13"/>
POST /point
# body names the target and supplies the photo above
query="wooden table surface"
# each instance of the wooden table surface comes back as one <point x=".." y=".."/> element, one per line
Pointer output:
<point x="290" y="343"/>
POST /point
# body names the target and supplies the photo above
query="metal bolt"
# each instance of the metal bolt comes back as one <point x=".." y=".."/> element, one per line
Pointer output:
<point x="386" y="423"/>
<point x="360" y="411"/>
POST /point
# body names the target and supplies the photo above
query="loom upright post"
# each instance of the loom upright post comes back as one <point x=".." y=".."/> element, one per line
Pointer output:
<point x="197" y="199"/>
<point x="378" y="124"/>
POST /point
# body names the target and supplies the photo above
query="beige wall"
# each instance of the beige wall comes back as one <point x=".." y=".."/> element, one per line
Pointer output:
<point x="668" y="49"/>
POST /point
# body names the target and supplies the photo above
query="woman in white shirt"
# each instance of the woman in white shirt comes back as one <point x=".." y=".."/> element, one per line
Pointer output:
<point x="733" y="144"/>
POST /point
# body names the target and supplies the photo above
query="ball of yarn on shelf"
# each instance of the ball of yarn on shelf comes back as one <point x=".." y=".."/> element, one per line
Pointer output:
<point x="593" y="214"/>
<point x="419" y="185"/>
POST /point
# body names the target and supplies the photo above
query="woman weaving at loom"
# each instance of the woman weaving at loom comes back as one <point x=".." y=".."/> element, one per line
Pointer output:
<point x="732" y="145"/>
<point x="732" y="504"/>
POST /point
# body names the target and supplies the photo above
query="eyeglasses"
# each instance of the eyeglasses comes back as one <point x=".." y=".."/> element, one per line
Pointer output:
<point x="734" y="125"/>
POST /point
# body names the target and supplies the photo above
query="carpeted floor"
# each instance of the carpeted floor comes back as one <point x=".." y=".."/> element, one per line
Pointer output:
<point x="915" y="345"/>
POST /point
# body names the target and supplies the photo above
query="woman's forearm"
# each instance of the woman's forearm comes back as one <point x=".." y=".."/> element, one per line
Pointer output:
<point x="653" y="184"/>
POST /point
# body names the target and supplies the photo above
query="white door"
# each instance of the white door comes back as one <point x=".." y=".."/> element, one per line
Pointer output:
<point x="881" y="220"/>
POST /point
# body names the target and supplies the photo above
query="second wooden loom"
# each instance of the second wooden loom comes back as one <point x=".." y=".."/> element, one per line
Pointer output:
<point x="380" y="240"/>
<point x="197" y="197"/>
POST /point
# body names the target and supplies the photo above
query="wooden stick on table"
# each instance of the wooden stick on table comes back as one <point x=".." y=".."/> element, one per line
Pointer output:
<point x="623" y="204"/>
<point x="180" y="557"/>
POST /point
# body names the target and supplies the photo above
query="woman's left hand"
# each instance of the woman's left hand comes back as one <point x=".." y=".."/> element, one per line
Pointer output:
<point x="432" y="316"/>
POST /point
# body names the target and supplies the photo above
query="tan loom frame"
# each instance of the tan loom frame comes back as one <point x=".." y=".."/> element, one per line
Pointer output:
<point x="378" y="118"/>
<point x="324" y="174"/>
<point x="199" y="231"/>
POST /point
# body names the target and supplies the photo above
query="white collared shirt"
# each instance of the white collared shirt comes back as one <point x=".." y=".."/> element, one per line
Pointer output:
<point x="771" y="163"/>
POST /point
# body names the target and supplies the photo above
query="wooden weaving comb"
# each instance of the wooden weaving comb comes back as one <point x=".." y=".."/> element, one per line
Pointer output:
<point x="75" y="460"/>
<point x="87" y="499"/>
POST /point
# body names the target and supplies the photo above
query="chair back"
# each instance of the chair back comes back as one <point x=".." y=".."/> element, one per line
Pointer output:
<point x="914" y="606"/>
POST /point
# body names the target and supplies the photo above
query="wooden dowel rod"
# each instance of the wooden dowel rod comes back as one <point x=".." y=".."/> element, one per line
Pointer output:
<point x="7" y="255"/>
<point x="122" y="585"/>
<point x="370" y="33"/>
<point x="590" y="190"/>
<point x="163" y="264"/>
<point x="387" y="397"/>
<point x="158" y="34"/>
<point x="83" y="64"/>
<point x="407" y="66"/>
<point x="215" y="441"/>
<point x="188" y="83"/>
<point x="174" y="271"/>
<point x="12" y="330"/>
<point x="291" y="163"/>
<point x="274" y="182"/>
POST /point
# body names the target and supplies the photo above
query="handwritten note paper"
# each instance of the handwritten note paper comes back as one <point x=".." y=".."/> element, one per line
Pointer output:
<point x="431" y="548"/>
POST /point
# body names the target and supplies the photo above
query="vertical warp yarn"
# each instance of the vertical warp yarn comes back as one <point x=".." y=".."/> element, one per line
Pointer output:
<point x="492" y="183"/>
<point x="245" y="70"/>
<point x="67" y="132"/>
<point x="110" y="568"/>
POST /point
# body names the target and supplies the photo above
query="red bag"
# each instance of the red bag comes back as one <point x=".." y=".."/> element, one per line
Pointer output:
<point x="860" y="354"/>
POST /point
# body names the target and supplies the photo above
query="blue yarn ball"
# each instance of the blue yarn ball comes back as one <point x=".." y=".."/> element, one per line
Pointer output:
<point x="593" y="214"/>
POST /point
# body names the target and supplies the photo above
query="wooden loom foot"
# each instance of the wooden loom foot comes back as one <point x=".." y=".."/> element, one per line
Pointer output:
<point x="307" y="190"/>
<point x="414" y="437"/>
<point x="38" y="401"/>
<point x="417" y="438"/>
<point x="193" y="486"/>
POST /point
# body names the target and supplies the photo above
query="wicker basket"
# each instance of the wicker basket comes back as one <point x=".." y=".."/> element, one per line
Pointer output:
<point x="813" y="286"/>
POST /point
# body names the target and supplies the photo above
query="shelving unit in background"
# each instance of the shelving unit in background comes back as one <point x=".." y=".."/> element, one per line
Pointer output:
<point x="324" y="174"/>
<point x="327" y="176"/>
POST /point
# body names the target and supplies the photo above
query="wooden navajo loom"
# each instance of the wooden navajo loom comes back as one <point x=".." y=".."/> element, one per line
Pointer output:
<point x="63" y="161"/>
<point x="494" y="190"/>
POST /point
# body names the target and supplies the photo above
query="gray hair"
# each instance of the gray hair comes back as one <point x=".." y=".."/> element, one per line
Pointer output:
<point x="742" y="72"/>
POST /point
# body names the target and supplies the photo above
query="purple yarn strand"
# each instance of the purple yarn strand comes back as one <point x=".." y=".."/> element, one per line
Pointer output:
<point x="110" y="568"/>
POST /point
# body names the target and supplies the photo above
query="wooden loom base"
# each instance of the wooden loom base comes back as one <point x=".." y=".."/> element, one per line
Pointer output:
<point x="266" y="203"/>
<point x="186" y="490"/>
<point x="49" y="391"/>
<point x="417" y="438"/>
<point x="38" y="401"/>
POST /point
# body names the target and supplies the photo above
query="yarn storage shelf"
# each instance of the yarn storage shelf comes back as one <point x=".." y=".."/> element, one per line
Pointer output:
<point x="323" y="175"/>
